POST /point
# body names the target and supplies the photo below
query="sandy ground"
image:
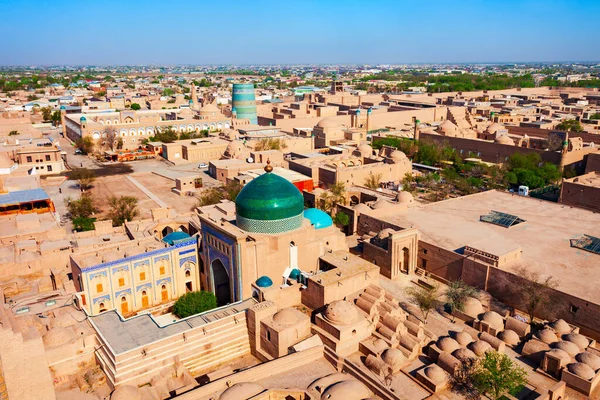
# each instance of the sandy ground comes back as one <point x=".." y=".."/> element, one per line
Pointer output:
<point x="161" y="187"/>
<point x="119" y="185"/>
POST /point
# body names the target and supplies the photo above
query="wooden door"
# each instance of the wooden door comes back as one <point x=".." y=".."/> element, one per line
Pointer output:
<point x="164" y="295"/>
<point x="124" y="308"/>
<point x="144" y="300"/>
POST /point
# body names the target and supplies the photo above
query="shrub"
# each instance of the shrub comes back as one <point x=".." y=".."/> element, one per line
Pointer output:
<point x="193" y="303"/>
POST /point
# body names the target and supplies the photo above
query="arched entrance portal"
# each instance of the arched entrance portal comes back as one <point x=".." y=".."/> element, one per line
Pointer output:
<point x="221" y="282"/>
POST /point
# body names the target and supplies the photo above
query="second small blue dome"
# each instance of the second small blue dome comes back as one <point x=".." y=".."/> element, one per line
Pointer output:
<point x="320" y="219"/>
<point x="264" y="281"/>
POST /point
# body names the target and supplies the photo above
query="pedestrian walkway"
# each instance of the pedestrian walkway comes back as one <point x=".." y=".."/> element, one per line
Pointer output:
<point x="148" y="193"/>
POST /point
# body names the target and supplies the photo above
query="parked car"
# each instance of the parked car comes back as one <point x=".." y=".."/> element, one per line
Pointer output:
<point x="202" y="166"/>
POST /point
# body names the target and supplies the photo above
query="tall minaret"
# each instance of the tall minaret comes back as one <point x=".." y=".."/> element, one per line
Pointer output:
<point x="369" y="111"/>
<point x="194" y="96"/>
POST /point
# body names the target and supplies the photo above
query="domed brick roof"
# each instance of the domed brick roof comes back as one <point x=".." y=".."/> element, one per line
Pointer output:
<point x="479" y="347"/>
<point x="495" y="127"/>
<point x="269" y="204"/>
<point x="381" y="204"/>
<point x="463" y="354"/>
<point x="463" y="338"/>
<point x="577" y="338"/>
<point x="570" y="347"/>
<point x="364" y="148"/>
<point x="361" y="208"/>
<point x="329" y="122"/>
<point x="509" y="337"/>
<point x="581" y="370"/>
<point x="394" y="358"/>
<point x="286" y="317"/>
<point x="404" y="198"/>
<point x="398" y="157"/>
<point x="587" y="358"/>
<point x="435" y="373"/>
<point x="341" y="312"/>
<point x="493" y="319"/>
<point x="560" y="326"/>
<point x="561" y="354"/>
<point x="241" y="391"/>
<point x="318" y="218"/>
<point x="504" y="139"/>
<point x="547" y="336"/>
<point x="447" y="344"/>
<point x="346" y="390"/>
<point x="472" y="307"/>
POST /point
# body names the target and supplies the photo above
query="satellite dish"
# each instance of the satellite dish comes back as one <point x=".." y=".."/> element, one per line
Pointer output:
<point x="250" y="159"/>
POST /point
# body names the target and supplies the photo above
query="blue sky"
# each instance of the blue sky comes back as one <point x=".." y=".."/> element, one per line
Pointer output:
<point x="132" y="32"/>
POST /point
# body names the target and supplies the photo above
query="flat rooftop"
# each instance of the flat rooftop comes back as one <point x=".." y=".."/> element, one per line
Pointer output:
<point x="125" y="335"/>
<point x="591" y="179"/>
<point x="285" y="173"/>
<point x="23" y="196"/>
<point x="544" y="237"/>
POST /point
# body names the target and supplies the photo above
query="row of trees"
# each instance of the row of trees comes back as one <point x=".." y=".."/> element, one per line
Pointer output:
<point x="463" y="177"/>
<point x="533" y="293"/>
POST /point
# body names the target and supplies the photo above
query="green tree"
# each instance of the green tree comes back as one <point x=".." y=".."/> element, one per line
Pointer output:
<point x="426" y="298"/>
<point x="193" y="303"/>
<point x="570" y="125"/>
<point x="533" y="291"/>
<point x="373" y="181"/>
<point x="84" y="177"/>
<point x="335" y="195"/>
<point x="82" y="208"/>
<point x="496" y="375"/>
<point x="209" y="196"/>
<point x="457" y="293"/>
<point x="270" y="144"/>
<point x="232" y="189"/>
<point x="55" y="117"/>
<point x="166" y="134"/>
<point x="135" y="106"/>
<point x="124" y="208"/>
<point x="168" y="92"/>
<point x="81" y="211"/>
<point x="341" y="219"/>
<point x="595" y="116"/>
<point x="85" y="144"/>
<point x="47" y="113"/>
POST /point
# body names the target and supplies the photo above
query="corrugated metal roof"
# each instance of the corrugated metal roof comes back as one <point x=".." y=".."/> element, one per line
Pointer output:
<point x="23" y="196"/>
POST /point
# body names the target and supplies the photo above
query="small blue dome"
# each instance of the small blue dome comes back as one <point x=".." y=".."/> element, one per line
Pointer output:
<point x="191" y="101"/>
<point x="63" y="107"/>
<point x="264" y="281"/>
<point x="82" y="118"/>
<point x="175" y="236"/>
<point x="320" y="219"/>
<point x="295" y="274"/>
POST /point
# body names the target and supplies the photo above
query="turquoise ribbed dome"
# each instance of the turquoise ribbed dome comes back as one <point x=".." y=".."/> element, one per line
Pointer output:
<point x="319" y="219"/>
<point x="269" y="204"/>
<point x="295" y="274"/>
<point x="264" y="281"/>
<point x="82" y="118"/>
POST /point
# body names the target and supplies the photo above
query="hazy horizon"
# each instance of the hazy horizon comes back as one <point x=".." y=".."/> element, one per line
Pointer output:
<point x="266" y="32"/>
